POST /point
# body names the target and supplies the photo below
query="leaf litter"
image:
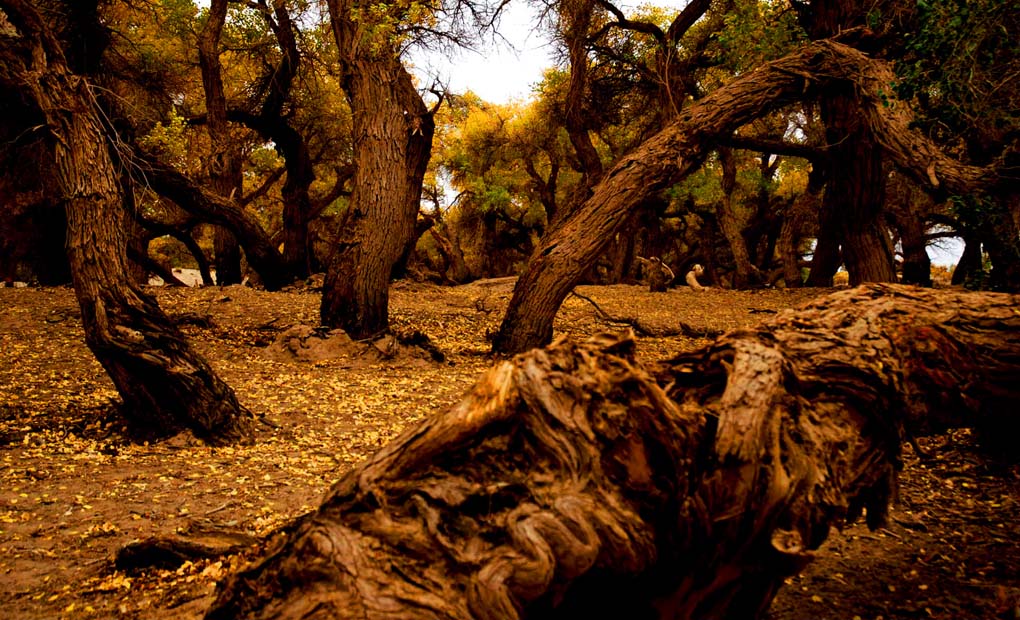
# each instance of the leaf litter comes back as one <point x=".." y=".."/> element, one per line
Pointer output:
<point x="74" y="491"/>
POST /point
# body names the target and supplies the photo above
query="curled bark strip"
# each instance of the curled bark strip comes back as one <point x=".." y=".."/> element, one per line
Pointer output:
<point x="572" y="482"/>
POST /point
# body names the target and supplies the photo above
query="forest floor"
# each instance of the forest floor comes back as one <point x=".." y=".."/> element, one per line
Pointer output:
<point x="74" y="490"/>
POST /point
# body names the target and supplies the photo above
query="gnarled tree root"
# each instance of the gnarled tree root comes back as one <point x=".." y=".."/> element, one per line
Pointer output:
<point x="572" y="482"/>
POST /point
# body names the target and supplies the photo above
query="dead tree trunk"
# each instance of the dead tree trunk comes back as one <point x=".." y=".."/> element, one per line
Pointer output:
<point x="573" y="483"/>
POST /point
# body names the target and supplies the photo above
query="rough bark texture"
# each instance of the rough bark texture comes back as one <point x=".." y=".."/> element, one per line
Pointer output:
<point x="855" y="191"/>
<point x="573" y="483"/>
<point x="731" y="225"/>
<point x="165" y="386"/>
<point x="392" y="132"/>
<point x="827" y="257"/>
<point x="224" y="158"/>
<point x="568" y="252"/>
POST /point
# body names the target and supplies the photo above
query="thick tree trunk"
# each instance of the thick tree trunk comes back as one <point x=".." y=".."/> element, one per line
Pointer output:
<point x="745" y="273"/>
<point x="393" y="132"/>
<point x="855" y="192"/>
<point x="224" y="163"/>
<point x="573" y="483"/>
<point x="165" y="386"/>
<point x="916" y="262"/>
<point x="568" y="252"/>
<point x="971" y="261"/>
<point x="827" y="257"/>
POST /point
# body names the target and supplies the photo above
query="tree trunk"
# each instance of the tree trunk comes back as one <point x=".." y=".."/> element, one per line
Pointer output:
<point x="165" y="386"/>
<point x="916" y="262"/>
<point x="226" y="256"/>
<point x="392" y="132"/>
<point x="745" y="273"/>
<point x="855" y="192"/>
<point x="272" y="122"/>
<point x="259" y="250"/>
<point x="1002" y="242"/>
<point x="573" y="483"/>
<point x="827" y="256"/>
<point x="224" y="158"/>
<point x="971" y="262"/>
<point x="456" y="271"/>
<point x="568" y="252"/>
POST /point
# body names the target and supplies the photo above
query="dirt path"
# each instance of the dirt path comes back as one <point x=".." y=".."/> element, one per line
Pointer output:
<point x="73" y="490"/>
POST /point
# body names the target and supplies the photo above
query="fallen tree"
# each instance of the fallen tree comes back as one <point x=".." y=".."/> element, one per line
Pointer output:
<point x="573" y="482"/>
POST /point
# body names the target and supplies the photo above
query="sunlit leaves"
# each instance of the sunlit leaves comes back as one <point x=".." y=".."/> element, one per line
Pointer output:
<point x="167" y="140"/>
<point x="757" y="31"/>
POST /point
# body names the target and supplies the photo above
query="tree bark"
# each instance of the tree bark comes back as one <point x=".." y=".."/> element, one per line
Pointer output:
<point x="224" y="158"/>
<point x="392" y="132"/>
<point x="568" y="252"/>
<point x="262" y="255"/>
<point x="745" y="273"/>
<point x="855" y="191"/>
<point x="971" y="262"/>
<point x="827" y="257"/>
<point x="165" y="386"/>
<point x="571" y="482"/>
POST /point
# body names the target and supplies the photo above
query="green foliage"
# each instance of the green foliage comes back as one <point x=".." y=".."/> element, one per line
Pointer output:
<point x="177" y="16"/>
<point x="757" y="31"/>
<point x="168" y="140"/>
<point x="960" y="65"/>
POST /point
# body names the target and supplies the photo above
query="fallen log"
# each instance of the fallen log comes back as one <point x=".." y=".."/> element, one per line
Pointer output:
<point x="572" y="482"/>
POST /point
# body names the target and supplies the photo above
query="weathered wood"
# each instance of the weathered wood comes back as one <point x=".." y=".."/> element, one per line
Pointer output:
<point x="573" y="483"/>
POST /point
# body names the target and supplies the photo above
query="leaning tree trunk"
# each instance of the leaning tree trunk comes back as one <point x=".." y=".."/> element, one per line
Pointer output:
<point x="165" y="386"/>
<point x="573" y="483"/>
<point x="568" y="252"/>
<point x="210" y="207"/>
<point x="393" y="141"/>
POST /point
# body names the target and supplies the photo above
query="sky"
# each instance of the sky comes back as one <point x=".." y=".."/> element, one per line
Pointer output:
<point x="500" y="73"/>
<point x="497" y="72"/>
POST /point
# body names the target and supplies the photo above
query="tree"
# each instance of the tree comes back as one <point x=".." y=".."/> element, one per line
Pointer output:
<point x="851" y="210"/>
<point x="224" y="162"/>
<point x="392" y="131"/>
<point x="165" y="386"/>
<point x="507" y="163"/>
<point x="675" y="152"/>
<point x="957" y="65"/>
<point x="572" y="482"/>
